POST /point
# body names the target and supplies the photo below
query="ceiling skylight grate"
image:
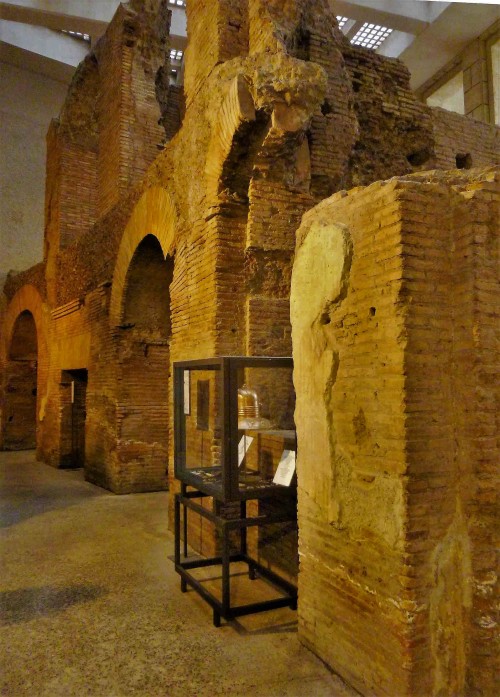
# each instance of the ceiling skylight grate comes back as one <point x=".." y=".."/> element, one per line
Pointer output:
<point x="342" y="20"/>
<point x="371" y="35"/>
<point x="176" y="54"/>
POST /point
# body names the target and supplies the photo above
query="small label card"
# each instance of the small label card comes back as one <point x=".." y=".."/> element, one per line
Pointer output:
<point x="187" y="393"/>
<point x="286" y="468"/>
<point x="243" y="445"/>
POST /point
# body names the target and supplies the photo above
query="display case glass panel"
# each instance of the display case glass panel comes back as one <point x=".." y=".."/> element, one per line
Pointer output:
<point x="234" y="430"/>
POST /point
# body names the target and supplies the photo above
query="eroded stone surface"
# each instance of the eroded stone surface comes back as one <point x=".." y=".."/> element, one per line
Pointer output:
<point x="395" y="467"/>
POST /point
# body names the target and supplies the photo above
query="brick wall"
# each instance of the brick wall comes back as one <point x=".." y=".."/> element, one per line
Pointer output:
<point x="19" y="420"/>
<point x="217" y="31"/>
<point x="395" y="129"/>
<point x="452" y="419"/>
<point x="129" y="55"/>
<point x="395" y="416"/>
<point x="34" y="276"/>
<point x="71" y="169"/>
<point x="463" y="143"/>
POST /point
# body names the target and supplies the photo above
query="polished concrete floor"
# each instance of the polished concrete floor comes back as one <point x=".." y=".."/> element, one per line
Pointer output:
<point x="91" y="605"/>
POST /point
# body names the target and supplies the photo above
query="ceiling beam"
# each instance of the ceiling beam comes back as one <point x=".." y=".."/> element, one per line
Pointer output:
<point x="446" y="37"/>
<point x="86" y="25"/>
<point x="99" y="10"/>
<point x="46" y="42"/>
<point x="52" y="20"/>
<point x="353" y="29"/>
<point x="35" y="63"/>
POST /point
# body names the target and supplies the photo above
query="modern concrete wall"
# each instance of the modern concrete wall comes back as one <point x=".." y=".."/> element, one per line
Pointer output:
<point x="28" y="101"/>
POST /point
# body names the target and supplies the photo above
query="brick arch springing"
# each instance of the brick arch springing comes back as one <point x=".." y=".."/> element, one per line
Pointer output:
<point x="231" y="139"/>
<point x="24" y="367"/>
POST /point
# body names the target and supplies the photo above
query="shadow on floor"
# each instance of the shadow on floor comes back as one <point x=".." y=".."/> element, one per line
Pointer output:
<point x="19" y="503"/>
<point x="27" y="604"/>
<point x="281" y="628"/>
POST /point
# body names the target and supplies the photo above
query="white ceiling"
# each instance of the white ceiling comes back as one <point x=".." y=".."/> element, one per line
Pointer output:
<point x="426" y="34"/>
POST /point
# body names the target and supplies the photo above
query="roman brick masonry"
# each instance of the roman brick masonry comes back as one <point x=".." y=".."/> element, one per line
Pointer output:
<point x="394" y="304"/>
<point x="171" y="233"/>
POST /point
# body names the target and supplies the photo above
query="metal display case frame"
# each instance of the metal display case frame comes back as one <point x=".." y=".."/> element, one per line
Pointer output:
<point x="229" y="489"/>
<point x="185" y="564"/>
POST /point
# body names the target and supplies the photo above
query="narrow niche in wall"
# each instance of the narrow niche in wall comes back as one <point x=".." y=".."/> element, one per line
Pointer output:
<point x="73" y="396"/>
<point x="21" y="386"/>
<point x="144" y="366"/>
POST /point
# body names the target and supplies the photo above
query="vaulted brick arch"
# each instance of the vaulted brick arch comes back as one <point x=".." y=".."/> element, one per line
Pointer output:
<point x="155" y="214"/>
<point x="24" y="370"/>
<point x="141" y="326"/>
<point x="233" y="134"/>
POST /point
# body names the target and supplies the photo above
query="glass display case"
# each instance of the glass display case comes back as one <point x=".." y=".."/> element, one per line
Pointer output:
<point x="234" y="431"/>
<point x="235" y="441"/>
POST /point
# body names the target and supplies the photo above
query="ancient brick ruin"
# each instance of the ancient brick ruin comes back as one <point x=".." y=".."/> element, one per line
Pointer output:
<point x="394" y="348"/>
<point x="170" y="234"/>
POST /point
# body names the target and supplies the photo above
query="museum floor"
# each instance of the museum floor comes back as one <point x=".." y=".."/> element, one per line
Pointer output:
<point x="91" y="605"/>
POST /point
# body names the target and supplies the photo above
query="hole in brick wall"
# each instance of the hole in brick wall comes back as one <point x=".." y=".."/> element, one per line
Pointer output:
<point x="464" y="161"/>
<point x="419" y="157"/>
<point x="357" y="81"/>
<point x="166" y="83"/>
<point x="326" y="108"/>
<point x="299" y="43"/>
<point x="325" y="318"/>
<point x="373" y="311"/>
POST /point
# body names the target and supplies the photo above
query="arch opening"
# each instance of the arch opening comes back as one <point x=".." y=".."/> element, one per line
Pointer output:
<point x="19" y="422"/>
<point x="73" y="410"/>
<point x="144" y="360"/>
<point x="146" y="304"/>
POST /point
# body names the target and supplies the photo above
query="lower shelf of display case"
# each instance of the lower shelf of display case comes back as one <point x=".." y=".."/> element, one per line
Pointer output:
<point x="185" y="565"/>
<point x="251" y="484"/>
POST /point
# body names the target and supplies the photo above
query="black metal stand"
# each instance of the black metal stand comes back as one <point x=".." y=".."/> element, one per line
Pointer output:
<point x="223" y="608"/>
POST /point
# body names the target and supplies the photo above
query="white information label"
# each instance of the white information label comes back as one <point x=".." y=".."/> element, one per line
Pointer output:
<point x="243" y="445"/>
<point x="187" y="406"/>
<point x="286" y="468"/>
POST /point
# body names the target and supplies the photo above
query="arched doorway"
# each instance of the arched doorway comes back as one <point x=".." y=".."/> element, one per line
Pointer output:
<point x="144" y="366"/>
<point x="21" y="385"/>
